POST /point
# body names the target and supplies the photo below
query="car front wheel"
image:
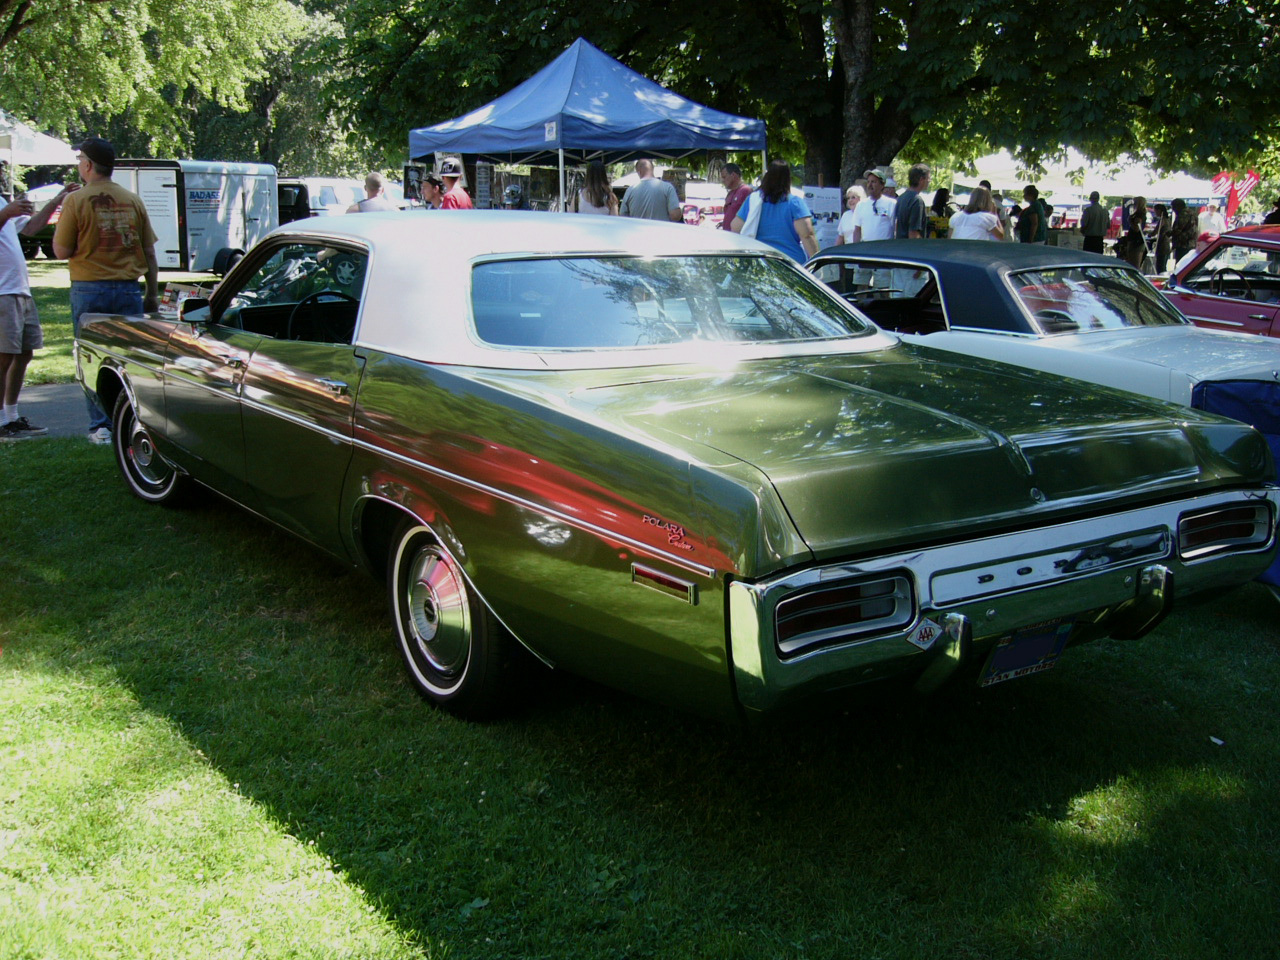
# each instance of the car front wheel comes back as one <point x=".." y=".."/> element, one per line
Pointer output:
<point x="457" y="654"/>
<point x="150" y="477"/>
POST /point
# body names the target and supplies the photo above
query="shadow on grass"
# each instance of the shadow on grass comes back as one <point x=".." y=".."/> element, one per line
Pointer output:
<point x="1084" y="813"/>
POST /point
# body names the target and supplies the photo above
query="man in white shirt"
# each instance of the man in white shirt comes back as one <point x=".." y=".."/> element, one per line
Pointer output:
<point x="874" y="217"/>
<point x="20" y="332"/>
<point x="375" y="185"/>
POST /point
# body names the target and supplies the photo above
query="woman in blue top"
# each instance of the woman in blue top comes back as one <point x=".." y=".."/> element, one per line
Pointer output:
<point x="785" y="220"/>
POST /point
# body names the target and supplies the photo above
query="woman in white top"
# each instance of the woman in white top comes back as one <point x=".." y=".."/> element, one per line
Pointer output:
<point x="597" y="195"/>
<point x="978" y="220"/>
<point x="851" y="198"/>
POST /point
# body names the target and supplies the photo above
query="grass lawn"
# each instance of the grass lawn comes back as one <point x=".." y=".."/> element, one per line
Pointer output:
<point x="51" y="288"/>
<point x="207" y="749"/>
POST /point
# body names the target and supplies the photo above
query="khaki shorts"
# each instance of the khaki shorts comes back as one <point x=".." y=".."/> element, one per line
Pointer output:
<point x="19" y="326"/>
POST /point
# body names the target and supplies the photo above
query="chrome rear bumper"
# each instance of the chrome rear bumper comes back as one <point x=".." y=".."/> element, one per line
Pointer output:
<point x="1113" y="576"/>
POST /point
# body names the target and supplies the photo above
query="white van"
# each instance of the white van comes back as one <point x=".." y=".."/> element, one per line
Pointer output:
<point x="205" y="213"/>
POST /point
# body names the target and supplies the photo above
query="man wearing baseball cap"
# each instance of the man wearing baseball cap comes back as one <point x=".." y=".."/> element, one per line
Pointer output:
<point x="876" y="221"/>
<point x="106" y="238"/>
<point x="432" y="191"/>
<point x="455" y="198"/>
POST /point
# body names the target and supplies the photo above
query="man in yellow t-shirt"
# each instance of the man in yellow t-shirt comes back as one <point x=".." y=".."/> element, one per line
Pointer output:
<point x="105" y="236"/>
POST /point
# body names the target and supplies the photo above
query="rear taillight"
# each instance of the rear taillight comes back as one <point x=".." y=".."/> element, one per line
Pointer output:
<point x="843" y="612"/>
<point x="1238" y="527"/>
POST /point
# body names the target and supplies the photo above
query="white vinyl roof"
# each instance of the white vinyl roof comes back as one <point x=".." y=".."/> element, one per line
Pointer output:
<point x="417" y="298"/>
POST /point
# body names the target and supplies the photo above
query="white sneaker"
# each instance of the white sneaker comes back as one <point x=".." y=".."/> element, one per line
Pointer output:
<point x="101" y="435"/>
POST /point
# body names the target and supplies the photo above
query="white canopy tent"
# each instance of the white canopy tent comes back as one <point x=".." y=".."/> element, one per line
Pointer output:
<point x="1009" y="176"/>
<point x="22" y="146"/>
<point x="1077" y="175"/>
<point x="1139" y="181"/>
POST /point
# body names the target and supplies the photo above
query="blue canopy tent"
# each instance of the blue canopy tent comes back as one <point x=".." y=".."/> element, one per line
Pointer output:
<point x="585" y="105"/>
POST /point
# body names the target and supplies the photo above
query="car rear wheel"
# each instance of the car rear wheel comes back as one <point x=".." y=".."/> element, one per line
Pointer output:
<point x="46" y="247"/>
<point x="458" y="655"/>
<point x="150" y="477"/>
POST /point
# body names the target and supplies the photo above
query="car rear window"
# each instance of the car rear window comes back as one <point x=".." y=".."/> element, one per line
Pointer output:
<point x="590" y="303"/>
<point x="1079" y="299"/>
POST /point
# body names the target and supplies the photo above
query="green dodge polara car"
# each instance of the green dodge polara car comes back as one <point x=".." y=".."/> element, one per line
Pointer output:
<point x="669" y="460"/>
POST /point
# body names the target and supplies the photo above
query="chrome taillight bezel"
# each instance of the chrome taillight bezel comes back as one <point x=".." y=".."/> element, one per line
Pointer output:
<point x="828" y="614"/>
<point x="1239" y="527"/>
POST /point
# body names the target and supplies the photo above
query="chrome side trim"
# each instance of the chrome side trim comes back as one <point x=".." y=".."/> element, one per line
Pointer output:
<point x="637" y="545"/>
<point x="297" y="420"/>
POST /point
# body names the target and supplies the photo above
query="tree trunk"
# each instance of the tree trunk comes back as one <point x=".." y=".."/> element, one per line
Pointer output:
<point x="853" y="31"/>
<point x="820" y="126"/>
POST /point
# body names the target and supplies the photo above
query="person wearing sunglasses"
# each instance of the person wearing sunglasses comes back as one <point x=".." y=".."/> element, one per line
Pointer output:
<point x="875" y="216"/>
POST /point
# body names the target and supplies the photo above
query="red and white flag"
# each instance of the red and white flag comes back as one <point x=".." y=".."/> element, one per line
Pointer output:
<point x="1245" y="186"/>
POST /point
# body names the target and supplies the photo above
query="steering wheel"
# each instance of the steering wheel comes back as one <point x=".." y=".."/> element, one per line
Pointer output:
<point x="1057" y="321"/>
<point x="309" y="299"/>
<point x="1218" y="284"/>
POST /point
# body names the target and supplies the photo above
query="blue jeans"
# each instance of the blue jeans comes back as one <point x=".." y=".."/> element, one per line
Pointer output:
<point x="102" y="296"/>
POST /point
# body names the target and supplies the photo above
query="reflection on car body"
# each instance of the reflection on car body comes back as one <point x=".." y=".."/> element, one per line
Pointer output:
<point x="666" y="459"/>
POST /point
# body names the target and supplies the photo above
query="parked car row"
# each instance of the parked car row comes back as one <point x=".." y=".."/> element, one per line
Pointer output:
<point x="1074" y="314"/>
<point x="674" y="461"/>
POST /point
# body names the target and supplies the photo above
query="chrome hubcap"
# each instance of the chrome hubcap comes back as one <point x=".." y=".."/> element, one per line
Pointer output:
<point x="438" y="615"/>
<point x="142" y="454"/>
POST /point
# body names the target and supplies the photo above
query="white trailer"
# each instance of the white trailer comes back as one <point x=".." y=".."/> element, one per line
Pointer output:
<point x="206" y="214"/>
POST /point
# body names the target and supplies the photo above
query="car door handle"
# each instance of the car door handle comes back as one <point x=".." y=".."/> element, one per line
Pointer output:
<point x="336" y="387"/>
<point x="1258" y="316"/>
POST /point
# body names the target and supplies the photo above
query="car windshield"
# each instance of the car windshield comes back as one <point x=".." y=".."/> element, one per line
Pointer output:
<point x="626" y="302"/>
<point x="1079" y="299"/>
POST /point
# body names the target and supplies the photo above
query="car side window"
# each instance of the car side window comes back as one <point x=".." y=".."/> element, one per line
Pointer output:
<point x="1239" y="272"/>
<point x="305" y="290"/>
<point x="858" y="281"/>
<point x="902" y="298"/>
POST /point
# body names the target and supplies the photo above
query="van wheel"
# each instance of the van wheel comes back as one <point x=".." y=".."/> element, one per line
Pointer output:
<point x="457" y="654"/>
<point x="225" y="259"/>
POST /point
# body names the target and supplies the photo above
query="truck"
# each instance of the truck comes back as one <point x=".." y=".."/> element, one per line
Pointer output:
<point x="301" y="197"/>
<point x="206" y="213"/>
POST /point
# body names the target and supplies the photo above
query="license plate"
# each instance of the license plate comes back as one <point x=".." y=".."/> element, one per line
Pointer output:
<point x="1032" y="649"/>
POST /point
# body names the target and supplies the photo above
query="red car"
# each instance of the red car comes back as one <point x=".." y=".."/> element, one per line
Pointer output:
<point x="1233" y="284"/>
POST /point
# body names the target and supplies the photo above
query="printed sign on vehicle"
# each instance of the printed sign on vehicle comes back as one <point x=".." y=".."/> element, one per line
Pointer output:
<point x="206" y="199"/>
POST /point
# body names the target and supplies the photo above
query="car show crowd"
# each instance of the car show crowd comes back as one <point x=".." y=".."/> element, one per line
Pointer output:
<point x="109" y="250"/>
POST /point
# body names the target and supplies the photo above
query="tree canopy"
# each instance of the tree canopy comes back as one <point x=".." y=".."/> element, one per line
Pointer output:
<point x="63" y="60"/>
<point x="843" y="84"/>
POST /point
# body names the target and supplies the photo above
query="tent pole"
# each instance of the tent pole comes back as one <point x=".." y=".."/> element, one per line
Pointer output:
<point x="562" y="206"/>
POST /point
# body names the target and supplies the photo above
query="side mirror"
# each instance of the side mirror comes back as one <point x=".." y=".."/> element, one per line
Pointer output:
<point x="194" y="310"/>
